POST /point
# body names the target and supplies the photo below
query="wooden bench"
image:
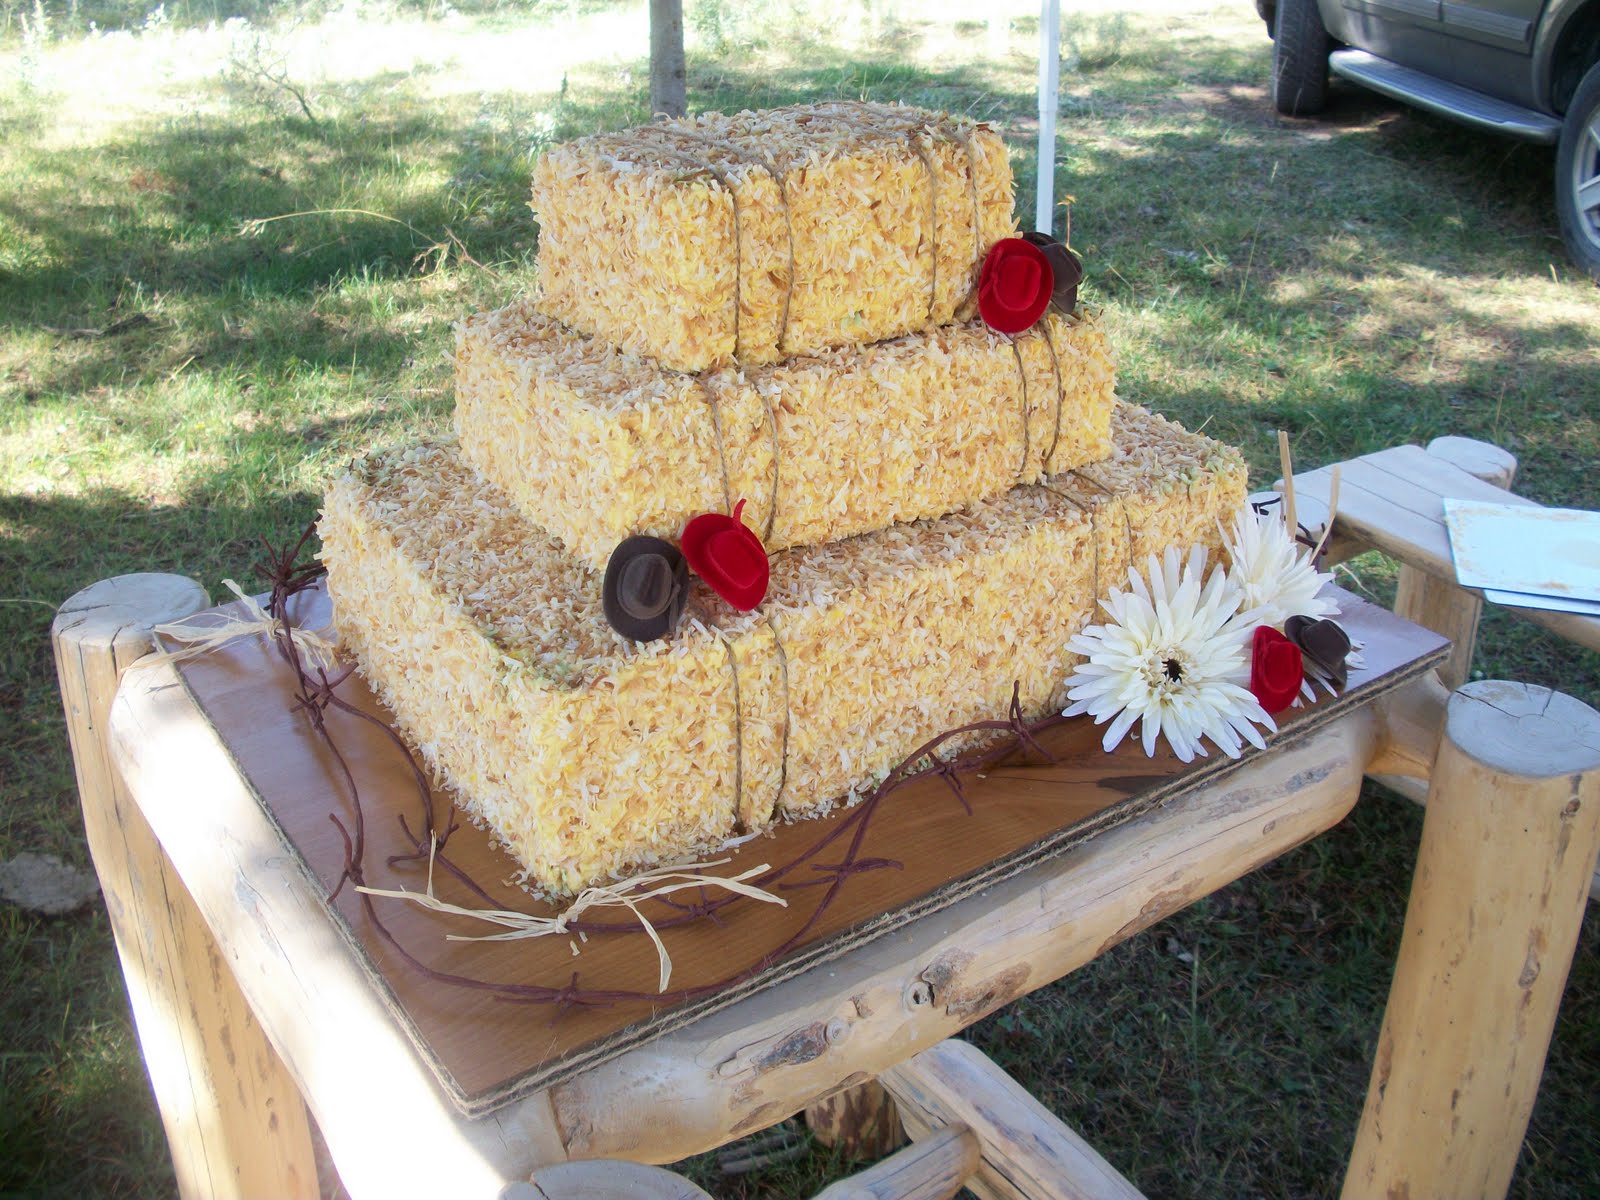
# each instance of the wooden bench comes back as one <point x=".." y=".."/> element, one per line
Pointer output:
<point x="1393" y="501"/>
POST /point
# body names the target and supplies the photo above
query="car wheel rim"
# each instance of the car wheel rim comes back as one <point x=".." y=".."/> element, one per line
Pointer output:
<point x="1586" y="181"/>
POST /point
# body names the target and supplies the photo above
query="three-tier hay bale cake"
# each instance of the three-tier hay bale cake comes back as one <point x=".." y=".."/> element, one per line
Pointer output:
<point x="752" y="237"/>
<point x="594" y="444"/>
<point x="590" y="755"/>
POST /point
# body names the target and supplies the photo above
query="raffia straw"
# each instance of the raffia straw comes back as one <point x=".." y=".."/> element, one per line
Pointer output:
<point x="1333" y="511"/>
<point x="1290" y="516"/>
<point x="1287" y="467"/>
<point x="662" y="881"/>
<point x="224" y="627"/>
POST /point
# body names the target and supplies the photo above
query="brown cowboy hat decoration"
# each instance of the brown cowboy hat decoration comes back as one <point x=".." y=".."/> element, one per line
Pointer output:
<point x="1325" y="645"/>
<point x="646" y="587"/>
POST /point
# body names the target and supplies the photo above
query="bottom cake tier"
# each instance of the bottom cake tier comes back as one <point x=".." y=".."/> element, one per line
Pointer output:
<point x="590" y="756"/>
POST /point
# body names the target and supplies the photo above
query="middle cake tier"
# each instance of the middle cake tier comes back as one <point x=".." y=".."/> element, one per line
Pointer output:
<point x="594" y="444"/>
<point x="590" y="755"/>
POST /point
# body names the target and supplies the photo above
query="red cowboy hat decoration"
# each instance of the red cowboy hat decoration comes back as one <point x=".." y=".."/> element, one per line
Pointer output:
<point x="1276" y="669"/>
<point x="728" y="555"/>
<point x="1023" y="276"/>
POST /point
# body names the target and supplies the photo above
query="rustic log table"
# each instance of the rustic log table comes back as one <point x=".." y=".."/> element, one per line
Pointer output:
<point x="252" y="993"/>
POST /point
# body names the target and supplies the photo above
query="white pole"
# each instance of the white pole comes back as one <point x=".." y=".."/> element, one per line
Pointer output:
<point x="1049" y="87"/>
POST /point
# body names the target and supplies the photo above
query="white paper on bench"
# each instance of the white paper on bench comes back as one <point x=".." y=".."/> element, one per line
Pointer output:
<point x="1588" y="608"/>
<point x="1549" y="552"/>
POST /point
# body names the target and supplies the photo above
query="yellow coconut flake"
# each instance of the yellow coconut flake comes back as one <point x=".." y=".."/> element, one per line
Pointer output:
<point x="753" y="237"/>
<point x="594" y="444"/>
<point x="591" y="756"/>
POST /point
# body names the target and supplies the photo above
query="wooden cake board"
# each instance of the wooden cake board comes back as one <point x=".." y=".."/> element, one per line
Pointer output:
<point x="486" y="1050"/>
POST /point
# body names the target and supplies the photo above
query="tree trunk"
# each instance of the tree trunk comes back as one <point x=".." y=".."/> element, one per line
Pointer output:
<point x="668" y="84"/>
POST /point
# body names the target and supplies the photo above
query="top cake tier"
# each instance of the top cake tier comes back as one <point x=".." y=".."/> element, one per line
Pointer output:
<point x="753" y="237"/>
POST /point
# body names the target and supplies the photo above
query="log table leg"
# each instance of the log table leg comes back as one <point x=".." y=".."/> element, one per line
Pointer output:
<point x="1508" y="847"/>
<point x="234" y="1119"/>
<point x="860" y="1121"/>
<point x="1439" y="604"/>
<point x="1027" y="1152"/>
<point x="932" y="1168"/>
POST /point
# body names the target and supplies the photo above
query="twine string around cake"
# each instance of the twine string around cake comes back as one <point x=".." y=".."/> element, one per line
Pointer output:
<point x="962" y="138"/>
<point x="1027" y="411"/>
<point x="957" y="134"/>
<point x="715" y="407"/>
<point x="882" y="124"/>
<point x="698" y="165"/>
<point x="743" y="155"/>
<point x="732" y="658"/>
<point x="738" y="825"/>
<point x="1023" y="471"/>
<point x="719" y="439"/>
<point x="1122" y="504"/>
<point x="1061" y="394"/>
<point x="1093" y="513"/>
<point x="777" y="453"/>
<point x="788" y="708"/>
<point x="977" y="225"/>
<point x="914" y="138"/>
<point x="872" y="123"/>
<point x="918" y="126"/>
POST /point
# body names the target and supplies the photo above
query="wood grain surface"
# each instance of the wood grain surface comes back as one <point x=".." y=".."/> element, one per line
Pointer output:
<point x="486" y="1050"/>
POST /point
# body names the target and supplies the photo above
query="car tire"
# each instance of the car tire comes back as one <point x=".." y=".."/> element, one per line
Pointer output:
<point x="1578" y="175"/>
<point x="1300" y="49"/>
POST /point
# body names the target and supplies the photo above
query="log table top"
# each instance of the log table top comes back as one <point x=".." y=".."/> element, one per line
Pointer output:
<point x="487" y="1051"/>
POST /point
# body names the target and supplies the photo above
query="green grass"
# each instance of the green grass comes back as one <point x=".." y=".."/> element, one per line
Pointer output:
<point x="1367" y="279"/>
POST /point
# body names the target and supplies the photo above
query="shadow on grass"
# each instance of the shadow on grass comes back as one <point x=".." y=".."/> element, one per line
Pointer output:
<point x="78" y="1118"/>
<point x="1244" y="1029"/>
<point x="161" y="219"/>
<point x="74" y="18"/>
<point x="1369" y="308"/>
<point x="184" y="221"/>
<point x="835" y="75"/>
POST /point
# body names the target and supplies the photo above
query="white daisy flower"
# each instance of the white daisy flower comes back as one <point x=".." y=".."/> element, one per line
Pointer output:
<point x="1174" y="657"/>
<point x="1273" y="572"/>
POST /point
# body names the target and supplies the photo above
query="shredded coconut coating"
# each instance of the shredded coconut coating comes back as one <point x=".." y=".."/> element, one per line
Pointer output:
<point x="594" y="444"/>
<point x="591" y="756"/>
<point x="754" y="237"/>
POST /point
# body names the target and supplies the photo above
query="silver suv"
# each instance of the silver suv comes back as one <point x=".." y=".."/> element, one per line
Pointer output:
<point x="1526" y="68"/>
